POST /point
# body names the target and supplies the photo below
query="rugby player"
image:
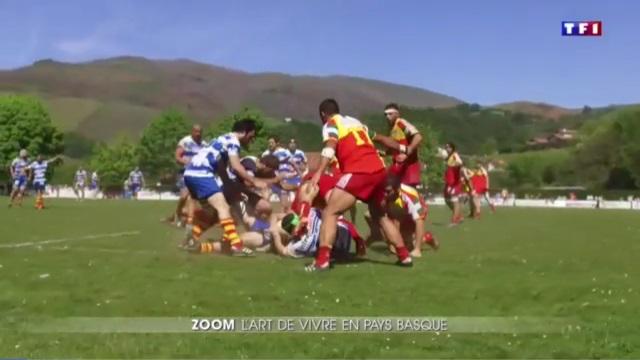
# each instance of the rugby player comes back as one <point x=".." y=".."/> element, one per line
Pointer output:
<point x="38" y="170"/>
<point x="408" y="209"/>
<point x="363" y="178"/>
<point x="286" y="169"/>
<point x="404" y="147"/>
<point x="18" y="170"/>
<point x="204" y="184"/>
<point x="95" y="182"/>
<point x="79" y="182"/>
<point x="453" y="183"/>
<point x="479" y="180"/>
<point x="299" y="161"/>
<point x="187" y="147"/>
<point x="136" y="182"/>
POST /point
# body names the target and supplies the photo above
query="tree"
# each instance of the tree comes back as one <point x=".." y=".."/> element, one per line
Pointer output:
<point x="26" y="124"/>
<point x="489" y="147"/>
<point x="77" y="146"/>
<point x="114" y="162"/>
<point x="157" y="146"/>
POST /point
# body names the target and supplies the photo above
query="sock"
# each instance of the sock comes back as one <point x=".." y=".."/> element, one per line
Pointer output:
<point x="196" y="231"/>
<point x="230" y="233"/>
<point x="206" y="247"/>
<point x="402" y="252"/>
<point x="323" y="255"/>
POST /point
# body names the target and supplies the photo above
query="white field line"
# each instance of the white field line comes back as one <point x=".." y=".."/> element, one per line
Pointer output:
<point x="61" y="240"/>
<point x="103" y="250"/>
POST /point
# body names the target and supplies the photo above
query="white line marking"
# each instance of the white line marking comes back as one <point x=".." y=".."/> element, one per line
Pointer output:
<point x="113" y="251"/>
<point x="55" y="241"/>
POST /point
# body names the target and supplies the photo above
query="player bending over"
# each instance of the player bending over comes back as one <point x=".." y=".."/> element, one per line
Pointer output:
<point x="205" y="185"/>
<point x="39" y="178"/>
<point x="363" y="178"/>
<point x="285" y="170"/>
<point x="407" y="208"/>
<point x="18" y="170"/>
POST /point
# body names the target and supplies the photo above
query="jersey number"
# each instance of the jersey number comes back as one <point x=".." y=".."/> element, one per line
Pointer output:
<point x="362" y="137"/>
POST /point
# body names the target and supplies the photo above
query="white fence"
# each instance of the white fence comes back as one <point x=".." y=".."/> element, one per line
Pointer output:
<point x="68" y="193"/>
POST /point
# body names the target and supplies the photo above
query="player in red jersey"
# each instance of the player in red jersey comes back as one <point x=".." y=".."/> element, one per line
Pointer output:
<point x="403" y="147"/>
<point x="480" y="182"/>
<point x="452" y="183"/>
<point x="363" y="178"/>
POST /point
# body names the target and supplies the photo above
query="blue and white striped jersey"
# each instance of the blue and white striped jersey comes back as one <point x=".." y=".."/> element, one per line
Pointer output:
<point x="205" y="162"/>
<point x="81" y="177"/>
<point x="191" y="147"/>
<point x="136" y="177"/>
<point x="283" y="156"/>
<point x="19" y="167"/>
<point x="308" y="243"/>
<point x="298" y="157"/>
<point x="39" y="171"/>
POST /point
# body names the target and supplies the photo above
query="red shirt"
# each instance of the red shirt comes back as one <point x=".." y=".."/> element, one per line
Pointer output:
<point x="409" y="170"/>
<point x="452" y="173"/>
<point x="354" y="149"/>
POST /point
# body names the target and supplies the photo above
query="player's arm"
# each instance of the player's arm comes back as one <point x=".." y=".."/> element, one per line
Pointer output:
<point x="387" y="142"/>
<point x="413" y="133"/>
<point x="11" y="170"/>
<point x="280" y="248"/>
<point x="236" y="165"/>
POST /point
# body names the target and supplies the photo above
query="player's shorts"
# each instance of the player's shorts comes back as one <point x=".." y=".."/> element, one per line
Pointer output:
<point x="20" y="182"/>
<point x="202" y="188"/>
<point x="93" y="186"/>
<point x="39" y="185"/>
<point x="235" y="189"/>
<point x="452" y="191"/>
<point x="365" y="187"/>
<point x="262" y="227"/>
<point x="296" y="180"/>
<point x="409" y="173"/>
<point x="342" y="245"/>
<point x="134" y="188"/>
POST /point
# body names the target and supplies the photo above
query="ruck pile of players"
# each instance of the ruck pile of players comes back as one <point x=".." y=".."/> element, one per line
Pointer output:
<point x="220" y="188"/>
<point x="217" y="187"/>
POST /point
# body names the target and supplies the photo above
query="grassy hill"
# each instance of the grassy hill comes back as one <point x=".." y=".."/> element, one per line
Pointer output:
<point x="103" y="98"/>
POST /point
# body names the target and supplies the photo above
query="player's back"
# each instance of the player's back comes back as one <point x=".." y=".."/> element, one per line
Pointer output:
<point x="39" y="170"/>
<point x="355" y="150"/>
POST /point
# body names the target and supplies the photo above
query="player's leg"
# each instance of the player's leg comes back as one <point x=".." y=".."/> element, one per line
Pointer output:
<point x="180" y="205"/>
<point x="230" y="233"/>
<point x="361" y="245"/>
<point x="339" y="202"/>
<point x="391" y="232"/>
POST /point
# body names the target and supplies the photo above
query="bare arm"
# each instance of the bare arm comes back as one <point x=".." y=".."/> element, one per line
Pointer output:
<point x="415" y="142"/>
<point x="387" y="141"/>
<point x="325" y="160"/>
<point x="234" y="162"/>
<point x="180" y="158"/>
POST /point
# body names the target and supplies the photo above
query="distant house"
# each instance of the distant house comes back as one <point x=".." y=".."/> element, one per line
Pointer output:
<point x="560" y="138"/>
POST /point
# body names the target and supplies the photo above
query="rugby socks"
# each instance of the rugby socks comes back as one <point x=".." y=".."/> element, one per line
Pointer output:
<point x="323" y="256"/>
<point x="39" y="202"/>
<point x="402" y="253"/>
<point x="206" y="247"/>
<point x="360" y="243"/>
<point x="230" y="233"/>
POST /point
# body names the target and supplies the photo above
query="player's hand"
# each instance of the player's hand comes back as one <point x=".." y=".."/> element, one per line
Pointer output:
<point x="315" y="179"/>
<point x="259" y="184"/>
<point x="401" y="158"/>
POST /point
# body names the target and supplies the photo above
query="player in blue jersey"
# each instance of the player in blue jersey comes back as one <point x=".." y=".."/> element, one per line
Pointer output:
<point x="38" y="170"/>
<point x="285" y="171"/>
<point x="80" y="182"/>
<point x="299" y="161"/>
<point x="204" y="184"/>
<point x="136" y="182"/>
<point x="18" y="170"/>
<point x="187" y="147"/>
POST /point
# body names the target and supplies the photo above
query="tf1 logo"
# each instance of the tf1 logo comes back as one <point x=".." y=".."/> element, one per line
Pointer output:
<point x="582" y="28"/>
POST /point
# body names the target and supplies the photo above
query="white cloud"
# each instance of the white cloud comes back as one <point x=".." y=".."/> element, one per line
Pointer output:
<point x="78" y="47"/>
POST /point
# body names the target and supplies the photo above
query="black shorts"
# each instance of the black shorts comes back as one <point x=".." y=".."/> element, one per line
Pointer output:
<point x="236" y="191"/>
<point x="342" y="245"/>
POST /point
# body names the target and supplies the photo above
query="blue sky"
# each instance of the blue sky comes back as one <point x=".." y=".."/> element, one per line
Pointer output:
<point x="480" y="51"/>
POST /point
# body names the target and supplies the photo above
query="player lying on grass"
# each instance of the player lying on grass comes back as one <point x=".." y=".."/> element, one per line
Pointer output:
<point x="204" y="184"/>
<point x="298" y="234"/>
<point x="407" y="208"/>
<point x="363" y="177"/>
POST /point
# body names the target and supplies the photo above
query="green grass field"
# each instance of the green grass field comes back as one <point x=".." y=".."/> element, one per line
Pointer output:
<point x="577" y="265"/>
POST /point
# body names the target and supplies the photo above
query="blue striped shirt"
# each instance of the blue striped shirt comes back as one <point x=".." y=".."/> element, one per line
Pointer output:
<point x="19" y="167"/>
<point x="136" y="177"/>
<point x="308" y="243"/>
<point x="191" y="147"/>
<point x="205" y="162"/>
<point x="39" y="171"/>
<point x="283" y="156"/>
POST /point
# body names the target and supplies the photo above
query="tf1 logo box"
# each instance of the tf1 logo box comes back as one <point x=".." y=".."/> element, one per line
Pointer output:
<point x="582" y="28"/>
